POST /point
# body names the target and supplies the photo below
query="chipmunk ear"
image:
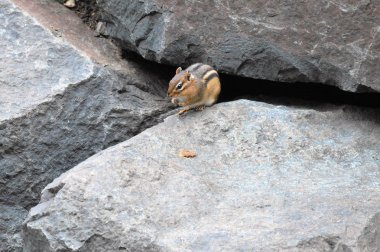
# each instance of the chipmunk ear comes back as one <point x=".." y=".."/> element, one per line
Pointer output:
<point x="187" y="75"/>
<point x="179" y="69"/>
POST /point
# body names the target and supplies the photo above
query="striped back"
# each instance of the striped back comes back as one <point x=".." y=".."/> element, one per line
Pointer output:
<point x="203" y="72"/>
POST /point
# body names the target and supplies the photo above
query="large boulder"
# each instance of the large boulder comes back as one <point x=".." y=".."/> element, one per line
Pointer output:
<point x="65" y="95"/>
<point x="330" y="42"/>
<point x="265" y="178"/>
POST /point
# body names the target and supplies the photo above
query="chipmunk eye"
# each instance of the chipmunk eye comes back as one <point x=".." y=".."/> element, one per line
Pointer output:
<point x="179" y="86"/>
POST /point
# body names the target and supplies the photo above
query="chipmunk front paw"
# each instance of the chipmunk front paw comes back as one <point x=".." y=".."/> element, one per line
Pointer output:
<point x="183" y="111"/>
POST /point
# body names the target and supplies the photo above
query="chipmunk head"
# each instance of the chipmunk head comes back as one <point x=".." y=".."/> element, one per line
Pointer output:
<point x="181" y="87"/>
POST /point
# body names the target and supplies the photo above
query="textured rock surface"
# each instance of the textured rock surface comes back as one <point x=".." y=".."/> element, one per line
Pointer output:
<point x="11" y="218"/>
<point x="370" y="239"/>
<point x="35" y="65"/>
<point x="266" y="178"/>
<point x="331" y="42"/>
<point x="65" y="95"/>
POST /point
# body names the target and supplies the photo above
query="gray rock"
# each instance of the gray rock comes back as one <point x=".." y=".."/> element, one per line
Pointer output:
<point x="65" y="95"/>
<point x="265" y="178"/>
<point x="11" y="218"/>
<point x="35" y="64"/>
<point x="330" y="42"/>
<point x="370" y="238"/>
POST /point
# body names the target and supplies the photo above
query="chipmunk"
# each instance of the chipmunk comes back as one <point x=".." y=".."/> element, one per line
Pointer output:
<point x="195" y="87"/>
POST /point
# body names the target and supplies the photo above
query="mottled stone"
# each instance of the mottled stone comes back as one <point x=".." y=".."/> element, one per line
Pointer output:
<point x="35" y="65"/>
<point x="65" y="95"/>
<point x="265" y="178"/>
<point x="11" y="218"/>
<point x="331" y="42"/>
<point x="370" y="238"/>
